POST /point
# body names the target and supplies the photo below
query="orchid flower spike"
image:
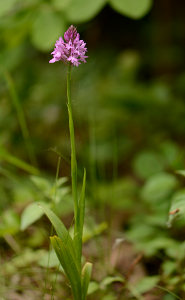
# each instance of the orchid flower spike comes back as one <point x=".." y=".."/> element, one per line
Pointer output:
<point x="71" y="49"/>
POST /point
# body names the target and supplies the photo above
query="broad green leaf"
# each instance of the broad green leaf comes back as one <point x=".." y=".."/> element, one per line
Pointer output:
<point x="49" y="260"/>
<point x="169" y="267"/>
<point x="69" y="265"/>
<point x="60" y="230"/>
<point x="177" y="209"/>
<point x="148" y="163"/>
<point x="93" y="287"/>
<point x="159" y="187"/>
<point x="4" y="155"/>
<point x="61" y="4"/>
<point x="5" y="6"/>
<point x="83" y="10"/>
<point x="146" y="284"/>
<point x="9" y="224"/>
<point x="132" y="8"/>
<point x="86" y="275"/>
<point x="41" y="183"/>
<point x="110" y="279"/>
<point x="47" y="28"/>
<point x="31" y="214"/>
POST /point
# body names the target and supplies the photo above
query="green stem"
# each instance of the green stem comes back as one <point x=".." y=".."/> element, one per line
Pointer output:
<point x="73" y="170"/>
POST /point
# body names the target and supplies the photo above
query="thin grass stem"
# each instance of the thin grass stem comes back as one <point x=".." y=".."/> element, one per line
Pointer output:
<point x="21" y="118"/>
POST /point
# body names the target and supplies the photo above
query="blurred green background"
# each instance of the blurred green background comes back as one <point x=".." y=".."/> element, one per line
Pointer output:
<point x="129" y="96"/>
<point x="129" y="112"/>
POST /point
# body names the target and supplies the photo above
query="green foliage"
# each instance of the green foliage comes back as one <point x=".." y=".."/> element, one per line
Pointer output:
<point x="159" y="187"/>
<point x="145" y="284"/>
<point x="49" y="260"/>
<point x="177" y="208"/>
<point x="31" y="214"/>
<point x="68" y="263"/>
<point x="86" y="276"/>
<point x="46" y="29"/>
<point x="147" y="164"/>
<point x="6" y="5"/>
<point x="130" y="151"/>
<point x="4" y="155"/>
<point x="55" y="193"/>
<point x="82" y="10"/>
<point x="9" y="223"/>
<point x="61" y="230"/>
<point x="132" y="8"/>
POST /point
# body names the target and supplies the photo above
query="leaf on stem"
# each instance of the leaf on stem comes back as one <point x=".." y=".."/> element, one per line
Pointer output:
<point x="69" y="265"/>
<point x="60" y="229"/>
<point x="86" y="275"/>
<point x="80" y="219"/>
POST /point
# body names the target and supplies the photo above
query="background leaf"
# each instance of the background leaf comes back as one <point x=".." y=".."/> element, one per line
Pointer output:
<point x="83" y="10"/>
<point x="148" y="163"/>
<point x="177" y="209"/>
<point x="146" y="284"/>
<point x="31" y="214"/>
<point x="132" y="8"/>
<point x="47" y="28"/>
<point x="6" y="5"/>
<point x="159" y="187"/>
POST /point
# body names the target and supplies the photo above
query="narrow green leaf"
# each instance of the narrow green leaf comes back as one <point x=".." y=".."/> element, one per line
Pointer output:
<point x="86" y="275"/>
<point x="16" y="101"/>
<point x="132" y="8"/>
<point x="82" y="203"/>
<point x="80" y="219"/>
<point x="60" y="229"/>
<point x="4" y="155"/>
<point x="69" y="265"/>
<point x="31" y="214"/>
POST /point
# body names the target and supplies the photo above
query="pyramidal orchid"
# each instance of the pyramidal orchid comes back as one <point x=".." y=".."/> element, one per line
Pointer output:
<point x="70" y="49"/>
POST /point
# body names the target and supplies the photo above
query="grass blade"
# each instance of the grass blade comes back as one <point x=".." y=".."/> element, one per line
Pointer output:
<point x="17" y="162"/>
<point x="21" y="118"/>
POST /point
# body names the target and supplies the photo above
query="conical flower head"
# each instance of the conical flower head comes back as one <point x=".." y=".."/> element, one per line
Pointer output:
<point x="70" y="34"/>
<point x="72" y="50"/>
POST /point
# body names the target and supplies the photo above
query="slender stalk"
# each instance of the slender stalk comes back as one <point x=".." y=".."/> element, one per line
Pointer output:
<point x="73" y="170"/>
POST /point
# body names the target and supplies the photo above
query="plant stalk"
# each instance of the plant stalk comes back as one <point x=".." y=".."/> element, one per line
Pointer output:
<point x="77" y="239"/>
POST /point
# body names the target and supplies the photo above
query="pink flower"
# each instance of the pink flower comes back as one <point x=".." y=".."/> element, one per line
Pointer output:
<point x="71" y="49"/>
